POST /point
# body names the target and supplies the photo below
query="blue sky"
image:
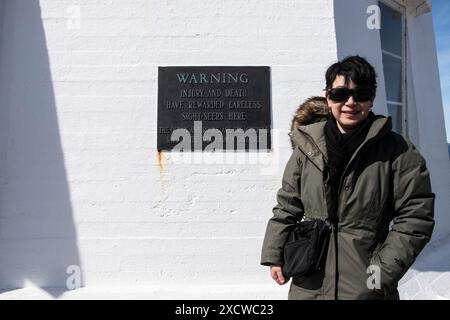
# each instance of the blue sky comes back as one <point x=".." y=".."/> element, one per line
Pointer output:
<point x="441" y="19"/>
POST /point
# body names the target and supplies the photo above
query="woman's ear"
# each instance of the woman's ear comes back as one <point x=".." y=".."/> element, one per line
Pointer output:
<point x="328" y="100"/>
<point x="325" y="94"/>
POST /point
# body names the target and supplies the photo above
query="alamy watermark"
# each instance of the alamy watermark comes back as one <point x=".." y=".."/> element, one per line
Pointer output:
<point x="73" y="281"/>
<point x="373" y="22"/>
<point x="188" y="149"/>
<point x="374" y="280"/>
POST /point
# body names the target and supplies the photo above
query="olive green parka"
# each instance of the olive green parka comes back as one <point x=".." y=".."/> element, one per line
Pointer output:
<point x="386" y="213"/>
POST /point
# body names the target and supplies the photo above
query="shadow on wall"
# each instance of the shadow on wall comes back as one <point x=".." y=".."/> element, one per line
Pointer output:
<point x="37" y="232"/>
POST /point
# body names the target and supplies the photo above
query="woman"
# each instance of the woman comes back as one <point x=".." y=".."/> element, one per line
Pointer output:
<point x="355" y="172"/>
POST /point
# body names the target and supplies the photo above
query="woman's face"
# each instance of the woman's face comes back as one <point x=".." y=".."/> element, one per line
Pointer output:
<point x="348" y="114"/>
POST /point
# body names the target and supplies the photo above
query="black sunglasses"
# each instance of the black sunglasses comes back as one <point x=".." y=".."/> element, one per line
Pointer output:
<point x="341" y="94"/>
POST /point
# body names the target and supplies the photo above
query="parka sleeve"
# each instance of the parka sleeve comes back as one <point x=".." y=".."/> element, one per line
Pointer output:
<point x="288" y="208"/>
<point x="413" y="220"/>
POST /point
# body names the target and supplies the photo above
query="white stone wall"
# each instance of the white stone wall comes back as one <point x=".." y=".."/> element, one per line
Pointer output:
<point x="429" y="125"/>
<point x="82" y="183"/>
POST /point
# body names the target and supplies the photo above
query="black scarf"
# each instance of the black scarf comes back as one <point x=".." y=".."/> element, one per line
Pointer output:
<point x="340" y="148"/>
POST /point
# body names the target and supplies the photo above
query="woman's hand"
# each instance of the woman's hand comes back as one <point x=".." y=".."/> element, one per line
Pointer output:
<point x="277" y="275"/>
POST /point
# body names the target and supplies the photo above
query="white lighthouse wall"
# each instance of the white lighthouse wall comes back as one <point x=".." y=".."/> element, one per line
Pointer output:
<point x="82" y="182"/>
<point x="429" y="125"/>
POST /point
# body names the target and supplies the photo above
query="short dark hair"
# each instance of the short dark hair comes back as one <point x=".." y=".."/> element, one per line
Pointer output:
<point x="354" y="68"/>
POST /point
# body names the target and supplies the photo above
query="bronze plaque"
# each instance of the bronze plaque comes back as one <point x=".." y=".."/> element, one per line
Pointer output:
<point x="206" y="108"/>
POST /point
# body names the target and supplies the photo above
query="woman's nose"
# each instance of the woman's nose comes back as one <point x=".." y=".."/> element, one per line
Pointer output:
<point x="350" y="101"/>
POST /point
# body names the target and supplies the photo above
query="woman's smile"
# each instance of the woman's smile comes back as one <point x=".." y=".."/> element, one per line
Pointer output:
<point x="351" y="112"/>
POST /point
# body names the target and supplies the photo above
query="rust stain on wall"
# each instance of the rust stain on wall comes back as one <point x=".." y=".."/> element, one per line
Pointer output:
<point x="160" y="164"/>
<point x="159" y="155"/>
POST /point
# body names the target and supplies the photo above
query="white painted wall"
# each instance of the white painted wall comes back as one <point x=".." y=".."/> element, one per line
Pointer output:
<point x="3" y="120"/>
<point x="82" y="140"/>
<point x="80" y="180"/>
<point x="425" y="91"/>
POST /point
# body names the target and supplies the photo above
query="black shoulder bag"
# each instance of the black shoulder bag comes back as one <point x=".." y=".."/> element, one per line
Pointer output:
<point x="306" y="248"/>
